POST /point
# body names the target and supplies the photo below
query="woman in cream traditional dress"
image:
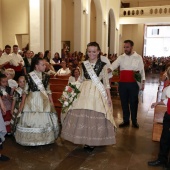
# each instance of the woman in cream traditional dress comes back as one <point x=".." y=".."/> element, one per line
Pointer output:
<point x="89" y="121"/>
<point x="38" y="124"/>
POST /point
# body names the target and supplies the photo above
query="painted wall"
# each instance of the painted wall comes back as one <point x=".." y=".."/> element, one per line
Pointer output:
<point x="135" y="33"/>
<point x="15" y="21"/>
<point x="143" y="3"/>
<point x="68" y="22"/>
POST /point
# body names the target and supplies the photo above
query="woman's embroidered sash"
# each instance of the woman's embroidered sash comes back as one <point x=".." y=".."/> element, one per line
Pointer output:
<point x="95" y="79"/>
<point x="39" y="83"/>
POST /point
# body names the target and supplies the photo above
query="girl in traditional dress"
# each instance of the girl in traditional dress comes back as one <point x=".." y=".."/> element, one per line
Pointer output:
<point x="89" y="121"/>
<point x="2" y="131"/>
<point x="16" y="103"/>
<point x="38" y="124"/>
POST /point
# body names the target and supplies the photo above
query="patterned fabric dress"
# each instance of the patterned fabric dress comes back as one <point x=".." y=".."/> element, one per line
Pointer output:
<point x="38" y="124"/>
<point x="7" y="101"/>
<point x="90" y="119"/>
<point x="2" y="130"/>
<point x="17" y="96"/>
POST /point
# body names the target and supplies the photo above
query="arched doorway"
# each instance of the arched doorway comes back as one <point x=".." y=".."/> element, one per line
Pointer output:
<point x="111" y="32"/>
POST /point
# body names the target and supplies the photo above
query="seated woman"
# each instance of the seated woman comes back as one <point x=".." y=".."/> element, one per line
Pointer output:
<point x="75" y="76"/>
<point x="64" y="71"/>
<point x="49" y="69"/>
<point x="56" y="61"/>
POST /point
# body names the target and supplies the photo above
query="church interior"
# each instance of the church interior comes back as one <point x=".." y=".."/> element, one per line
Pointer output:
<point x="66" y="27"/>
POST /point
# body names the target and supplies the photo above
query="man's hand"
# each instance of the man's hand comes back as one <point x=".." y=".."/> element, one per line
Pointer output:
<point x="109" y="70"/>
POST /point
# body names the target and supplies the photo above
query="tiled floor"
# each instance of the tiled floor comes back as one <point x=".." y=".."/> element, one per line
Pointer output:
<point x="133" y="149"/>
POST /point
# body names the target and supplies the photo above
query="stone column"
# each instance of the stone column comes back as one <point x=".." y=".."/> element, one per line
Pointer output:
<point x="47" y="17"/>
<point x="78" y="26"/>
<point x="56" y="17"/>
<point x="36" y="15"/>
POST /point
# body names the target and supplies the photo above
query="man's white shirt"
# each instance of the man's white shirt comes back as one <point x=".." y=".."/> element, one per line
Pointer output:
<point x="15" y="59"/>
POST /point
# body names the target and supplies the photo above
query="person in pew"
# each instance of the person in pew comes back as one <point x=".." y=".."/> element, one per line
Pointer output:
<point x="38" y="124"/>
<point x="75" y="76"/>
<point x="162" y="159"/>
<point x="49" y="69"/>
<point x="130" y="63"/>
<point x="56" y="61"/>
<point x="89" y="121"/>
<point x="64" y="71"/>
<point x="27" y="60"/>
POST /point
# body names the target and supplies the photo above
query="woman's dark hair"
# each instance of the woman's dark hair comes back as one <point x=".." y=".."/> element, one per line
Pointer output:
<point x="2" y="76"/>
<point x="46" y="55"/>
<point x="57" y="54"/>
<point x="35" y="61"/>
<point x="94" y="44"/>
<point x="72" y="73"/>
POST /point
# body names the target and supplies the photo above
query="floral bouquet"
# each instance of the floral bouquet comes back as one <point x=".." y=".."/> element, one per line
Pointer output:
<point x="70" y="93"/>
<point x="137" y="76"/>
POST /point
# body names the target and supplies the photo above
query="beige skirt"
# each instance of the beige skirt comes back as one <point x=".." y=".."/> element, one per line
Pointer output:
<point x="88" y="127"/>
<point x="38" y="124"/>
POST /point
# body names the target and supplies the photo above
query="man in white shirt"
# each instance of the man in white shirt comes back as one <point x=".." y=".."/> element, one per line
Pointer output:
<point x="5" y="58"/>
<point x="129" y="62"/>
<point x="16" y="62"/>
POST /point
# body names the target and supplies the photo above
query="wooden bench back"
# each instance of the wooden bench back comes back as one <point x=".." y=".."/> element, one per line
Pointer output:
<point x="55" y="97"/>
<point x="58" y="81"/>
<point x="57" y="87"/>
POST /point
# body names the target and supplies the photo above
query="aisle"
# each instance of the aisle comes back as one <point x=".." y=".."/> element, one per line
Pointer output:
<point x="133" y="149"/>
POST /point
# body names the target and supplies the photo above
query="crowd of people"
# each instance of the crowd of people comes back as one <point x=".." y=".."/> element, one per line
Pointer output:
<point x="155" y="64"/>
<point x="27" y="109"/>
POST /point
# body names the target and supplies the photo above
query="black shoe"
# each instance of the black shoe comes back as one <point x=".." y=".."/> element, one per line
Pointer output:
<point x="124" y="124"/>
<point x="156" y="163"/>
<point x="88" y="149"/>
<point x="4" y="158"/>
<point x="135" y="125"/>
<point x="166" y="167"/>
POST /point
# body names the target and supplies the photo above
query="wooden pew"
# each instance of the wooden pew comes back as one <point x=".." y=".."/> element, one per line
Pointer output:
<point x="57" y="104"/>
<point x="55" y="97"/>
<point x="58" y="81"/>
<point x="63" y="77"/>
<point x="159" y="112"/>
<point x="57" y="87"/>
<point x="114" y="83"/>
<point x="158" y="122"/>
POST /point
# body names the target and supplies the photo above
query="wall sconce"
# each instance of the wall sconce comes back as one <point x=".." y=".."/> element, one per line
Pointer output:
<point x="105" y="23"/>
<point x="85" y="11"/>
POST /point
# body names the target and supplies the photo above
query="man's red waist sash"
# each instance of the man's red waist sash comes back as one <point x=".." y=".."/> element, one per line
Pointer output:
<point x="127" y="76"/>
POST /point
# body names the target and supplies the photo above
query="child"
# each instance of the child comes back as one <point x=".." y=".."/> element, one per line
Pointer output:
<point x="162" y="159"/>
<point x="16" y="104"/>
<point x="10" y="73"/>
<point x="6" y="94"/>
<point x="38" y="124"/>
<point x="2" y="131"/>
